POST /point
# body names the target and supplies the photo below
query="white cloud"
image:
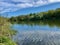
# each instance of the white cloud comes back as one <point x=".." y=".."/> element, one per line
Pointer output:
<point x="39" y="3"/>
<point x="22" y="0"/>
<point x="54" y="1"/>
<point x="24" y="5"/>
<point x="14" y="5"/>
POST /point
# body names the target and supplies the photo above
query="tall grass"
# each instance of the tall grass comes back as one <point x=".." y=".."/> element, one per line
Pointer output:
<point x="5" y="32"/>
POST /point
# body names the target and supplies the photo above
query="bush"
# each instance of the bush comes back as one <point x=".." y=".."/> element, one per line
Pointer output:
<point x="6" y="41"/>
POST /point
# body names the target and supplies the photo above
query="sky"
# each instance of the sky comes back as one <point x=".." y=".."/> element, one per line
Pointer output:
<point x="20" y="7"/>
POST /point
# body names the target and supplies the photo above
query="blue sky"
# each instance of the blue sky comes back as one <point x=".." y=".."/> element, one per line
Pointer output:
<point x="19" y="7"/>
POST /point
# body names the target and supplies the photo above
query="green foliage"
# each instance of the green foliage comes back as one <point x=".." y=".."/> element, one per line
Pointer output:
<point x="6" y="32"/>
<point x="49" y="15"/>
<point x="6" y="41"/>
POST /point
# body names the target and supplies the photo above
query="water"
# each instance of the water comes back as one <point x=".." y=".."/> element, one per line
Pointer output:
<point x="37" y="33"/>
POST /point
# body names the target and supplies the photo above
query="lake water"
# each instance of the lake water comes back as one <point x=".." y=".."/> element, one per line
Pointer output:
<point x="37" y="33"/>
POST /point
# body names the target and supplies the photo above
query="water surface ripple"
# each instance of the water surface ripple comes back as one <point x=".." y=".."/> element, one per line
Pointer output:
<point x="38" y="38"/>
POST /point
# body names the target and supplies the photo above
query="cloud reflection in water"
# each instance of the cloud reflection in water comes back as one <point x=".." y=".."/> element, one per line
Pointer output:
<point x="38" y="38"/>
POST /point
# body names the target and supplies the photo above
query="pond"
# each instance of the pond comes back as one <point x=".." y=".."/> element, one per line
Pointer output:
<point x="37" y="33"/>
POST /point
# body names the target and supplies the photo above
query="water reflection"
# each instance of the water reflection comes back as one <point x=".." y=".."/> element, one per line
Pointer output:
<point x="37" y="25"/>
<point x="51" y="23"/>
<point x="38" y="38"/>
<point x="37" y="33"/>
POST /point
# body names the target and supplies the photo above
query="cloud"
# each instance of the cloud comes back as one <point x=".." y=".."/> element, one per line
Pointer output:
<point x="51" y="1"/>
<point x="14" y="5"/>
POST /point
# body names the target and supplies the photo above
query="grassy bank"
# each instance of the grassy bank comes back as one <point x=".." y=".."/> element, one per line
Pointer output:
<point x="5" y="32"/>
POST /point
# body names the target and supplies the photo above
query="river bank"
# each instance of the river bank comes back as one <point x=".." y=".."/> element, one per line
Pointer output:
<point x="6" y="32"/>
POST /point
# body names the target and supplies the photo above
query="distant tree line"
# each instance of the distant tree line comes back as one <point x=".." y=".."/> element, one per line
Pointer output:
<point x="49" y="15"/>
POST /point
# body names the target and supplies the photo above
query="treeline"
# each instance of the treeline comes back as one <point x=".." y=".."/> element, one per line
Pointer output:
<point x="49" y="15"/>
